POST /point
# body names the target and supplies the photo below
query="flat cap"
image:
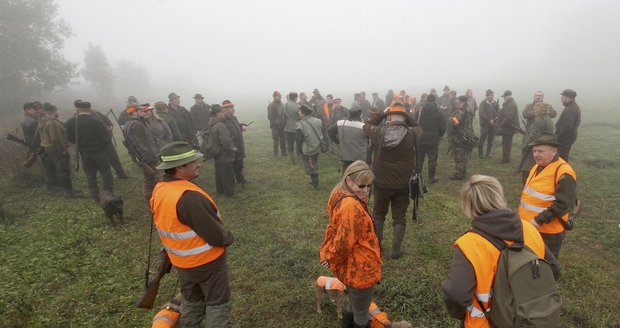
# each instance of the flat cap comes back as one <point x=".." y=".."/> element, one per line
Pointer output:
<point x="569" y="93"/>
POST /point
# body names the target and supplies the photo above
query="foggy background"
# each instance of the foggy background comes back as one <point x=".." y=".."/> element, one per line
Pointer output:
<point x="244" y="50"/>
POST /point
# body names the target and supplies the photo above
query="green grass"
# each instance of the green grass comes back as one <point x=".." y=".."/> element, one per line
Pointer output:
<point x="64" y="265"/>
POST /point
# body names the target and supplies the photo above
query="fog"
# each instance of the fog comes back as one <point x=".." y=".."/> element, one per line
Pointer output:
<point x="247" y="49"/>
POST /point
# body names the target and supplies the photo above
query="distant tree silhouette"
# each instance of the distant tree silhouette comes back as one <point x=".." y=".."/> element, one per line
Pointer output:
<point x="31" y="40"/>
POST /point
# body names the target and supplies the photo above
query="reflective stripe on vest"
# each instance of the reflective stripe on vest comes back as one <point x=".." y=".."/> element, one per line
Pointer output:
<point x="484" y="257"/>
<point x="184" y="246"/>
<point x="378" y="318"/>
<point x="165" y="318"/>
<point x="538" y="194"/>
<point x="330" y="283"/>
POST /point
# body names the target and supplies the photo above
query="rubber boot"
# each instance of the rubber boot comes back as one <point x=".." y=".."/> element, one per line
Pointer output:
<point x="315" y="181"/>
<point x="367" y="325"/>
<point x="397" y="241"/>
<point x="218" y="315"/>
<point x="347" y="320"/>
<point x="379" y="232"/>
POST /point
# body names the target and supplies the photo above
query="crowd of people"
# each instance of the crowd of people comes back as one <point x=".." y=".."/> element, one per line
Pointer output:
<point x="379" y="144"/>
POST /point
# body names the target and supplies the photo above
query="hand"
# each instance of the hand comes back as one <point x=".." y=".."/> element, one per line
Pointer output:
<point x="386" y="109"/>
<point x="244" y="127"/>
<point x="325" y="264"/>
<point x="532" y="221"/>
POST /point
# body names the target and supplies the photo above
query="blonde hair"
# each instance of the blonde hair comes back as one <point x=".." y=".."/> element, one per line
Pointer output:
<point x="480" y="195"/>
<point x="359" y="172"/>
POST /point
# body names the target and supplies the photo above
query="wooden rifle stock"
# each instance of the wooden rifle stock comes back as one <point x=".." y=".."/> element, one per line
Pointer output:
<point x="15" y="138"/>
<point x="152" y="286"/>
<point x="31" y="157"/>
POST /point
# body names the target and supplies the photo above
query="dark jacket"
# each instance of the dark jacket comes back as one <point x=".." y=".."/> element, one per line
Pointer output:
<point x="201" y="115"/>
<point x="139" y="135"/>
<point x="567" y="124"/>
<point x="172" y="124"/>
<point x="458" y="288"/>
<point x="457" y="132"/>
<point x="184" y="121"/>
<point x="32" y="138"/>
<point x="221" y="134"/>
<point x="392" y="165"/>
<point x="433" y="124"/>
<point x="529" y="114"/>
<point x="488" y="112"/>
<point x="275" y="115"/>
<point x="196" y="211"/>
<point x="508" y="119"/>
<point x="237" y="135"/>
<point x="92" y="135"/>
<point x="542" y="124"/>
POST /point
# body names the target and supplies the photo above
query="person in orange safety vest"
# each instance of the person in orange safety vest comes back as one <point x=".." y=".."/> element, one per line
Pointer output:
<point x="468" y="290"/>
<point x="190" y="227"/>
<point x="549" y="194"/>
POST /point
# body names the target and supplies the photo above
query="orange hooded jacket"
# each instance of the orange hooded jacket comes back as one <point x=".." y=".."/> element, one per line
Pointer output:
<point x="351" y="247"/>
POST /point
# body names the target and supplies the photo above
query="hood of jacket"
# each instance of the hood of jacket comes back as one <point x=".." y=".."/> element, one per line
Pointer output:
<point x="501" y="223"/>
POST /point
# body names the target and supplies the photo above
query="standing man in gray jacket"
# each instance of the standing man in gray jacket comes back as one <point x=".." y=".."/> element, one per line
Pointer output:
<point x="275" y="114"/>
<point x="309" y="139"/>
<point x="350" y="136"/>
<point x="291" y="117"/>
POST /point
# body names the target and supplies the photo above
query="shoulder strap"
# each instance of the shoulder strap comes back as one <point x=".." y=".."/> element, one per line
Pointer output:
<point x="320" y="136"/>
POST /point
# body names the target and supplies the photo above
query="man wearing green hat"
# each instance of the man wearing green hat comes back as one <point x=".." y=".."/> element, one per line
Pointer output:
<point x="549" y="194"/>
<point x="191" y="230"/>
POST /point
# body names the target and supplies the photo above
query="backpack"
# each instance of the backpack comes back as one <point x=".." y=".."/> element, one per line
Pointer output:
<point x="525" y="293"/>
<point x="210" y="147"/>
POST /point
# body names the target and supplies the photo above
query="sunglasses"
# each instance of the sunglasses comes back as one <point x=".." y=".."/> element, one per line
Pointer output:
<point x="364" y="186"/>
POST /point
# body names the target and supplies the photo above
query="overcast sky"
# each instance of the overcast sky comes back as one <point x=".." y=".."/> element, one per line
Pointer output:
<point x="224" y="48"/>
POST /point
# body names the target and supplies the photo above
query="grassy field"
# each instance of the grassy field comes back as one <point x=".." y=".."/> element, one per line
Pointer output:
<point x="64" y="265"/>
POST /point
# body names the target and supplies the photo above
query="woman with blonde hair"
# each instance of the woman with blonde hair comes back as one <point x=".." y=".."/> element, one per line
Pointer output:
<point x="351" y="248"/>
<point x="467" y="292"/>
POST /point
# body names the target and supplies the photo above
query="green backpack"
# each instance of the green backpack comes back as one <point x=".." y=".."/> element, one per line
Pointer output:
<point x="210" y="147"/>
<point x="525" y="293"/>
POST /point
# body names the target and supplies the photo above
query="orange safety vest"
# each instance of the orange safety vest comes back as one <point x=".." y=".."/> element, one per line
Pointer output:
<point x="538" y="193"/>
<point x="378" y="319"/>
<point x="330" y="283"/>
<point x="483" y="257"/>
<point x="166" y="318"/>
<point x="184" y="247"/>
<point x="326" y="112"/>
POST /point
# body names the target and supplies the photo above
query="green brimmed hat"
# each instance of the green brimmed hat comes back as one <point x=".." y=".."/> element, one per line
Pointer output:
<point x="175" y="154"/>
<point x="546" y="139"/>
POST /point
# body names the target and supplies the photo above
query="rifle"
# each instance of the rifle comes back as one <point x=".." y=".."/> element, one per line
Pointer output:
<point x="569" y="224"/>
<point x="31" y="157"/>
<point x="111" y="132"/>
<point x="151" y="287"/>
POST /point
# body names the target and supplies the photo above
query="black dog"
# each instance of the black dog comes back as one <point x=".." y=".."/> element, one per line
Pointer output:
<point x="112" y="206"/>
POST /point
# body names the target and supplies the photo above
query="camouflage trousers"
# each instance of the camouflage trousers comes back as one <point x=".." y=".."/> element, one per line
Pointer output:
<point x="460" y="155"/>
